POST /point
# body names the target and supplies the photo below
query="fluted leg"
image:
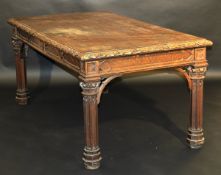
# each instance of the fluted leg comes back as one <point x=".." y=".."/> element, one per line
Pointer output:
<point x="195" y="137"/>
<point x="22" y="91"/>
<point x="91" y="155"/>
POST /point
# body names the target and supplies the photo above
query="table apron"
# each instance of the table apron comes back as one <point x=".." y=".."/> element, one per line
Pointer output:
<point x="115" y="65"/>
<point x="140" y="63"/>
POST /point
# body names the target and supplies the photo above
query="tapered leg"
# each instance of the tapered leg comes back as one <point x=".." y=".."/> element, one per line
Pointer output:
<point x="22" y="91"/>
<point x="91" y="155"/>
<point x="195" y="137"/>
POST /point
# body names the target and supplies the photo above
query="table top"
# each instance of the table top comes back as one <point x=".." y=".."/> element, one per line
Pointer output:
<point x="95" y="35"/>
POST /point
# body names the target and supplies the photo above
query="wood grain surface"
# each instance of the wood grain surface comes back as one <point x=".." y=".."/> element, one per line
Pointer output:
<point x="85" y="35"/>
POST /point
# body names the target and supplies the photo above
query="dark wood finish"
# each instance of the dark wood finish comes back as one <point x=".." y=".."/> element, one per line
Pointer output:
<point x="195" y="131"/>
<point x="22" y="94"/>
<point x="97" y="47"/>
<point x="92" y="155"/>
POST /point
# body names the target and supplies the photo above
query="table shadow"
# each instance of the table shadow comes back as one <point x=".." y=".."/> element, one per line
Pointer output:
<point x="147" y="107"/>
<point x="45" y="73"/>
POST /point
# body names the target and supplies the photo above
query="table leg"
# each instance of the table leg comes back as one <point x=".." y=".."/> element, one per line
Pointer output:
<point x="22" y="91"/>
<point x="91" y="155"/>
<point x="195" y="137"/>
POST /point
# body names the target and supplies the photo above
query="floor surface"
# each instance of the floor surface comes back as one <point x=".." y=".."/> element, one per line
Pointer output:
<point x="142" y="130"/>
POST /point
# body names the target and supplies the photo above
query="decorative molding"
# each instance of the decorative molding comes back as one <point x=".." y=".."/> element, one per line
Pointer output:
<point x="92" y="157"/>
<point x="92" y="90"/>
<point x="89" y="91"/>
<point x="89" y="85"/>
<point x="17" y="45"/>
<point x="145" y="62"/>
<point x="191" y="73"/>
<point x="195" y="138"/>
<point x="148" y="49"/>
<point x="196" y="72"/>
<point x="22" y="96"/>
<point x="91" y="98"/>
<point x="49" y="49"/>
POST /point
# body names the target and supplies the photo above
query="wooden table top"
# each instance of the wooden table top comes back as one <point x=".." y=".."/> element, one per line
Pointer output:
<point x="95" y="35"/>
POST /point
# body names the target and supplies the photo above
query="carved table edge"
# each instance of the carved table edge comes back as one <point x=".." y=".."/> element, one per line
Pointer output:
<point x="200" y="42"/>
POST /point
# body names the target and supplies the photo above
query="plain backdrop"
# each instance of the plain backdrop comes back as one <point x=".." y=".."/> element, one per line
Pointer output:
<point x="198" y="17"/>
<point x="142" y="122"/>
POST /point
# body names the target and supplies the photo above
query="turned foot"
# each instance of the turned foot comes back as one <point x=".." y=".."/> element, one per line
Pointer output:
<point x="195" y="138"/>
<point x="92" y="158"/>
<point x="22" y="97"/>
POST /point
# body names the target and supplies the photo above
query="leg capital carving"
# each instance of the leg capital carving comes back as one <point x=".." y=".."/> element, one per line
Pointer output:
<point x="89" y="85"/>
<point x="196" y="72"/>
<point x="95" y="88"/>
<point x="17" y="45"/>
<point x="90" y="91"/>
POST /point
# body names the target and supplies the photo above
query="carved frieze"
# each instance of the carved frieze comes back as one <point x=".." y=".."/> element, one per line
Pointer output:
<point x="139" y="62"/>
<point x="48" y="49"/>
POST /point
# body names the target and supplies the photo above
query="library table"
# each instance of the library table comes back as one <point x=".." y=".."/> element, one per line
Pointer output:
<point x="97" y="47"/>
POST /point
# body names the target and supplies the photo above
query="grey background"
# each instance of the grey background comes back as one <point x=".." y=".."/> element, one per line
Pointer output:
<point x="146" y="135"/>
<point x="198" y="17"/>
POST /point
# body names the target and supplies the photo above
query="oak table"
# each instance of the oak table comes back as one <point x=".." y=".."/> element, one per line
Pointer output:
<point x="97" y="47"/>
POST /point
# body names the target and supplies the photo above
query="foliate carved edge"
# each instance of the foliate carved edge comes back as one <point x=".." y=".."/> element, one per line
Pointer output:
<point x="196" y="72"/>
<point x="89" y="85"/>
